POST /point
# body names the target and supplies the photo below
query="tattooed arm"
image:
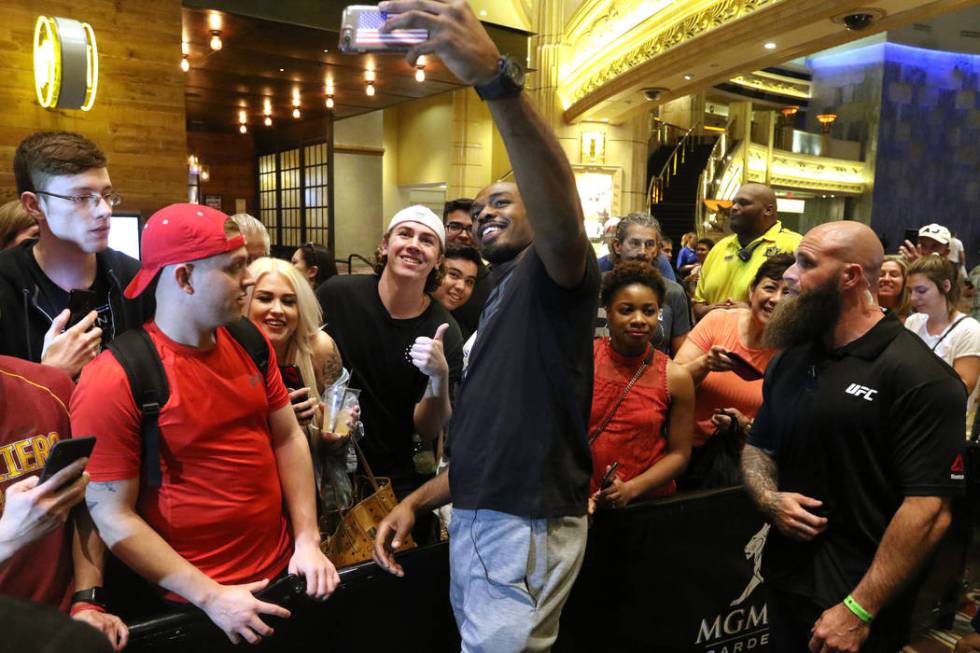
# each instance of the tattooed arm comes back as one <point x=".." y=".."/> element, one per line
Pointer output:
<point x="233" y="608"/>
<point x="786" y="510"/>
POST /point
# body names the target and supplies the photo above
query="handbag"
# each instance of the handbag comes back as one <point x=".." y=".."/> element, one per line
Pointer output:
<point x="353" y="539"/>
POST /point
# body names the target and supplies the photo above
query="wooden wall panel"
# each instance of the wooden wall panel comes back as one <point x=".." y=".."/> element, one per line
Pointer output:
<point x="138" y="118"/>
<point x="230" y="159"/>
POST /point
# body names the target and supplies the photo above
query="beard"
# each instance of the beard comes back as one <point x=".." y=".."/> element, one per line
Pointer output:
<point x="497" y="253"/>
<point x="804" y="318"/>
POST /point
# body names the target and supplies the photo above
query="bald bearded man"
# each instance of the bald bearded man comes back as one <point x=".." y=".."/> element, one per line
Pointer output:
<point x="731" y="265"/>
<point x="853" y="456"/>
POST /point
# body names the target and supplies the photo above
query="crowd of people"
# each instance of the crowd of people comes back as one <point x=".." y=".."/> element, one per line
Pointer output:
<point x="833" y="381"/>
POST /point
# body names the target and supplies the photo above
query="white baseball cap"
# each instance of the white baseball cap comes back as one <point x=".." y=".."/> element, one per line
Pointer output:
<point x="424" y="216"/>
<point x="937" y="232"/>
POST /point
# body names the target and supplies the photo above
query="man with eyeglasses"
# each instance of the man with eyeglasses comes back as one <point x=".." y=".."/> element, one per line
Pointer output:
<point x="63" y="183"/>
<point x="459" y="228"/>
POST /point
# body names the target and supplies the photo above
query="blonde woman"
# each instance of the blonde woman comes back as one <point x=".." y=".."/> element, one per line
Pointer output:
<point x="893" y="287"/>
<point x="283" y="305"/>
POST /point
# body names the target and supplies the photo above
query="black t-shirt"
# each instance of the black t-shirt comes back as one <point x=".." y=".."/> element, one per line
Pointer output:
<point x="518" y="434"/>
<point x="374" y="347"/>
<point x="52" y="299"/>
<point x="859" y="428"/>
<point x="468" y="315"/>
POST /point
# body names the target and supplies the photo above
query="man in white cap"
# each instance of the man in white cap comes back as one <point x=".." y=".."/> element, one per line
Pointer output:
<point x="219" y="497"/>
<point x="404" y="349"/>
<point x="933" y="239"/>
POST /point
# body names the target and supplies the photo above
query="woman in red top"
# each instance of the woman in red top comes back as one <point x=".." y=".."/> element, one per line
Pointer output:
<point x="647" y="430"/>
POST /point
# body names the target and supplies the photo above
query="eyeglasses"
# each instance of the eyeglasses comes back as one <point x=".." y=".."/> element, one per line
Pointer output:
<point x="456" y="227"/>
<point x="91" y="200"/>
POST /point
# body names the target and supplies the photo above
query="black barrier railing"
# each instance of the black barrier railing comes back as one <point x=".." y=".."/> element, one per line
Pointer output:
<point x="679" y="574"/>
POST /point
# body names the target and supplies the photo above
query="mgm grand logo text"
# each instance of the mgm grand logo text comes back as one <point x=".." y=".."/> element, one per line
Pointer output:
<point x="745" y="626"/>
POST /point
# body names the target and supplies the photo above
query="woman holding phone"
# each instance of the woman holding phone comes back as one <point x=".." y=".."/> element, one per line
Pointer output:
<point x="642" y="402"/>
<point x="283" y="305"/>
<point x="725" y="357"/>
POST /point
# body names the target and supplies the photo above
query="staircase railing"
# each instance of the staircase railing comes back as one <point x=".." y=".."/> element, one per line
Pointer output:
<point x="661" y="181"/>
<point x="716" y="163"/>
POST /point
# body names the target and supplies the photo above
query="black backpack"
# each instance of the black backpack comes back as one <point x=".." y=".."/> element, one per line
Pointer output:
<point x="139" y="358"/>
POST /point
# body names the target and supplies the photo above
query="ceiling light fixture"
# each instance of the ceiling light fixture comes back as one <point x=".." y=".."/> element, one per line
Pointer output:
<point x="296" y="114"/>
<point x="688" y="76"/>
<point x="370" y="89"/>
<point x="243" y="129"/>
<point x="216" y="43"/>
<point x="268" y="121"/>
<point x="242" y="119"/>
<point x="420" y="69"/>
<point x="185" y="65"/>
<point x="330" y="102"/>
<point x="770" y="46"/>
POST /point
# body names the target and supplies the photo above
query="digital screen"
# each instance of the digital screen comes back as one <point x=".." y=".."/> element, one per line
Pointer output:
<point x="124" y="234"/>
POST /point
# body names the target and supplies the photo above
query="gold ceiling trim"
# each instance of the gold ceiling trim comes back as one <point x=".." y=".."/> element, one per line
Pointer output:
<point x="805" y="171"/>
<point x="681" y="31"/>
<point x="784" y="89"/>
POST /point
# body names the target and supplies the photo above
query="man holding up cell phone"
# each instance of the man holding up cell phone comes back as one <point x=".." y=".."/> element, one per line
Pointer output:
<point x="227" y="501"/>
<point x="41" y="558"/>
<point x="63" y="183"/>
<point x="521" y="465"/>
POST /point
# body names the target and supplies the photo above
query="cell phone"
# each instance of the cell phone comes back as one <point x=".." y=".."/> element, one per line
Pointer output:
<point x="292" y="379"/>
<point x="64" y="453"/>
<point x="607" y="478"/>
<point x="360" y="31"/>
<point x="80" y="304"/>
<point x="743" y="368"/>
<point x="911" y="235"/>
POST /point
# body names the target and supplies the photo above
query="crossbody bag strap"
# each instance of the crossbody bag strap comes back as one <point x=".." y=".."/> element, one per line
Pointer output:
<point x="948" y="331"/>
<point x="629" y="386"/>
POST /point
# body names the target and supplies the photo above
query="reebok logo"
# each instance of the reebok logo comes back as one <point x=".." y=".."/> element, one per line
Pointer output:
<point x="861" y="391"/>
<point x="957" y="469"/>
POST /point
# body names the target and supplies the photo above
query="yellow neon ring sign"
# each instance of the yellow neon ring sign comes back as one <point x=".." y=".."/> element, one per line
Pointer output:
<point x="66" y="63"/>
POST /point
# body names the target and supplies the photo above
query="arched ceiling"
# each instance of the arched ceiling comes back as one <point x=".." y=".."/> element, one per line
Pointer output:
<point x="614" y="49"/>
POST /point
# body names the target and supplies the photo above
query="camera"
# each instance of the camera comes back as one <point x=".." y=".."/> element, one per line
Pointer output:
<point x="653" y="94"/>
<point x="860" y="19"/>
<point x="858" y="22"/>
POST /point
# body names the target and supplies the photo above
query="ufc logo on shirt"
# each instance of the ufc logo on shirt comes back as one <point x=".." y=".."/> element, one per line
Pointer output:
<point x="861" y="391"/>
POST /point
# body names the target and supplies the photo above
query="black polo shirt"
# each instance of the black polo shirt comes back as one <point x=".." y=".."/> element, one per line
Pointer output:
<point x="517" y="439"/>
<point x="859" y="428"/>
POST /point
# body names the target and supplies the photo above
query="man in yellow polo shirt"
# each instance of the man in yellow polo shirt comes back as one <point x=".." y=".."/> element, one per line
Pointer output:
<point x="732" y="263"/>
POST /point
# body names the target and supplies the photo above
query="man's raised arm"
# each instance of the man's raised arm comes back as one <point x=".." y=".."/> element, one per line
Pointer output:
<point x="544" y="175"/>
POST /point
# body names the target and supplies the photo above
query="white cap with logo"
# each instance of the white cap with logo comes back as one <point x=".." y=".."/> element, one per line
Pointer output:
<point x="937" y="232"/>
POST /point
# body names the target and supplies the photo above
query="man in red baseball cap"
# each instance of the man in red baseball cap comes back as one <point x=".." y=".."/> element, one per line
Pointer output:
<point x="231" y="451"/>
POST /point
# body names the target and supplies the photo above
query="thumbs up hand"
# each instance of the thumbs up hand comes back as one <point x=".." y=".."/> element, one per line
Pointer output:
<point x="427" y="354"/>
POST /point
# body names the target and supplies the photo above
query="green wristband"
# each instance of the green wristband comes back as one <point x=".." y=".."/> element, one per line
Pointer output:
<point x="858" y="611"/>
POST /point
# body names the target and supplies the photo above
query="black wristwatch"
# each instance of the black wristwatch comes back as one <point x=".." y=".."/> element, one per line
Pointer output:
<point x="509" y="81"/>
<point x="93" y="595"/>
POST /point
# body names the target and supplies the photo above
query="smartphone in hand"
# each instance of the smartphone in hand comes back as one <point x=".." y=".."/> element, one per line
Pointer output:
<point x="64" y="453"/>
<point x="743" y="368"/>
<point x="360" y="31"/>
<point x="80" y="304"/>
<point x="607" y="478"/>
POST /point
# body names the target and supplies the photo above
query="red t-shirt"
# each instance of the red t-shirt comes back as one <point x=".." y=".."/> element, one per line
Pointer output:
<point x="33" y="416"/>
<point x="634" y="436"/>
<point x="725" y="389"/>
<point x="220" y="504"/>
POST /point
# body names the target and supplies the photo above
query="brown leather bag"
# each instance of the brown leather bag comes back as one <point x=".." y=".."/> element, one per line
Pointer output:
<point x="353" y="540"/>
